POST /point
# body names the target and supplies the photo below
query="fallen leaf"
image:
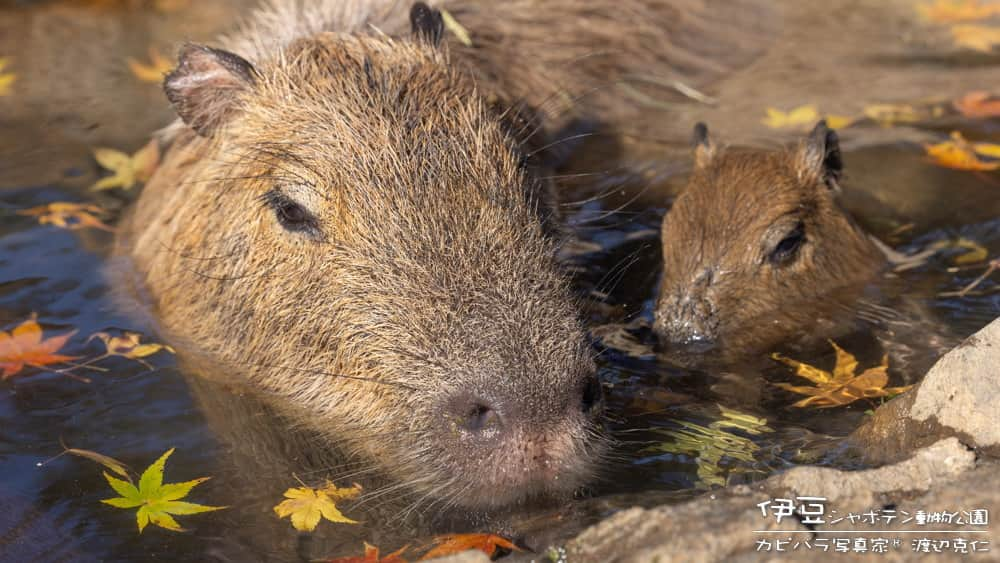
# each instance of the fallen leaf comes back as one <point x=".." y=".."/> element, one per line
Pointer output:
<point x="890" y="114"/>
<point x="841" y="386"/>
<point x="24" y="346"/>
<point x="451" y="544"/>
<point x="960" y="154"/>
<point x="976" y="252"/>
<point x="127" y="169"/>
<point x="157" y="502"/>
<point x="799" y="118"/>
<point x="306" y="505"/>
<point x="978" y="105"/>
<point x="452" y="25"/>
<point x="950" y="11"/>
<point x="372" y="556"/>
<point x="68" y="215"/>
<point x="976" y="37"/>
<point x="155" y="70"/>
<point x="6" y="78"/>
<point x="111" y="463"/>
<point x="127" y="346"/>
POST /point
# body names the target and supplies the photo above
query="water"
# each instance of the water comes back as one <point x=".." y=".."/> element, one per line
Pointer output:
<point x="679" y="431"/>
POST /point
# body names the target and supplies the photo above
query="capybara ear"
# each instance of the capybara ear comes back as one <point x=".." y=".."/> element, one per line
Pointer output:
<point x="203" y="86"/>
<point x="704" y="148"/>
<point x="427" y="23"/>
<point x="819" y="156"/>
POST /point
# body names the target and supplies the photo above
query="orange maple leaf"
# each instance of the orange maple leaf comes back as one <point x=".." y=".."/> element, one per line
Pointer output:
<point x="456" y="543"/>
<point x="961" y="154"/>
<point x="978" y="104"/>
<point x="372" y="556"/>
<point x="24" y="346"/>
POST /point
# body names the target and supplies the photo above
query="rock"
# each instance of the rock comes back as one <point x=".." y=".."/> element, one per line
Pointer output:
<point x="722" y="526"/>
<point x="958" y="397"/>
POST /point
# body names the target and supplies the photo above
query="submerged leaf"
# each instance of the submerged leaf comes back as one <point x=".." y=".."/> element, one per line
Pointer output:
<point x="156" y="501"/>
<point x="976" y="252"/>
<point x="127" y="346"/>
<point x="111" y="463"/>
<point x="840" y="386"/>
<point x="306" y="505"/>
<point x="66" y="215"/>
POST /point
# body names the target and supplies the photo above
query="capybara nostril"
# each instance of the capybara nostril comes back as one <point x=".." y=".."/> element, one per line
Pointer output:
<point x="481" y="419"/>
<point x="592" y="402"/>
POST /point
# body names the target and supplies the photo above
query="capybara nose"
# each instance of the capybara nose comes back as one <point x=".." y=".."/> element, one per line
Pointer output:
<point x="686" y="322"/>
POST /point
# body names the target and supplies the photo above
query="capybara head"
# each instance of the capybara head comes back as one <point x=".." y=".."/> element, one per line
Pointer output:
<point x="756" y="249"/>
<point x="354" y="229"/>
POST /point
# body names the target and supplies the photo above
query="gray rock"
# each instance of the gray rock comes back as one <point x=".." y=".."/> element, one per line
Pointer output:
<point x="957" y="397"/>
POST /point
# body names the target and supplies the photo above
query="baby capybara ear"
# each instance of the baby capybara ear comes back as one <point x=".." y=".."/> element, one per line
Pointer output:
<point x="203" y="85"/>
<point x="819" y="156"/>
<point x="704" y="148"/>
<point x="427" y="23"/>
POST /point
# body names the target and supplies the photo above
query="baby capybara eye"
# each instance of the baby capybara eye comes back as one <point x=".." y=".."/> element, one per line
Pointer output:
<point x="788" y="247"/>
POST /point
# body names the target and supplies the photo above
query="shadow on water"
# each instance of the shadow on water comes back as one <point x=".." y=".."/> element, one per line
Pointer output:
<point x="679" y="431"/>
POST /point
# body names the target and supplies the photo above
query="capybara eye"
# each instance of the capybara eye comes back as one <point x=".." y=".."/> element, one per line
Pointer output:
<point x="788" y="247"/>
<point x="292" y="215"/>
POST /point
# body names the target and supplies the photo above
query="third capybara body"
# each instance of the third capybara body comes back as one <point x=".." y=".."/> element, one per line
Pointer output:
<point x="353" y="214"/>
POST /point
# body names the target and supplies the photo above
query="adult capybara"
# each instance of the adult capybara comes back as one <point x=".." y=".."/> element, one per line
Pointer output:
<point x="352" y="214"/>
<point x="757" y="250"/>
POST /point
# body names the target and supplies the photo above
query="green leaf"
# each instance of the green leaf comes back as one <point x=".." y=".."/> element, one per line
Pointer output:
<point x="124" y="488"/>
<point x="121" y="502"/>
<point x="174" y="491"/>
<point x="181" y="508"/>
<point x="152" y="477"/>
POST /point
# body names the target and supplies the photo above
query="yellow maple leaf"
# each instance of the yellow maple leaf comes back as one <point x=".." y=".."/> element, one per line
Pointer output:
<point x="154" y="71"/>
<point x="976" y="37"/>
<point x="66" y="215"/>
<point x="127" y="346"/>
<point x="127" y="170"/>
<point x="976" y="252"/>
<point x="802" y="117"/>
<point x="452" y="25"/>
<point x="950" y="11"/>
<point x="6" y="78"/>
<point x="842" y="385"/>
<point x="961" y="154"/>
<point x="307" y="505"/>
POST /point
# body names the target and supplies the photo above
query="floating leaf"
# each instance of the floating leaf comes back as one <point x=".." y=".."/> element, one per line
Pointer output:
<point x="976" y="252"/>
<point x="451" y="544"/>
<point x="24" y="346"/>
<point x="6" y="78"/>
<point x="372" y="556"/>
<point x="841" y="386"/>
<point x="978" y="105"/>
<point x="155" y="70"/>
<point x="68" y="215"/>
<point x="452" y="25"/>
<point x="960" y="154"/>
<point x="951" y="11"/>
<point x="890" y="114"/>
<point x="976" y="37"/>
<point x="127" y="346"/>
<point x="306" y="505"/>
<point x="127" y="169"/>
<point x="107" y="461"/>
<point x="157" y="502"/>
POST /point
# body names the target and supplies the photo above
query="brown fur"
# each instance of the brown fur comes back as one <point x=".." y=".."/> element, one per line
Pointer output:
<point x="428" y="285"/>
<point x="722" y="288"/>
